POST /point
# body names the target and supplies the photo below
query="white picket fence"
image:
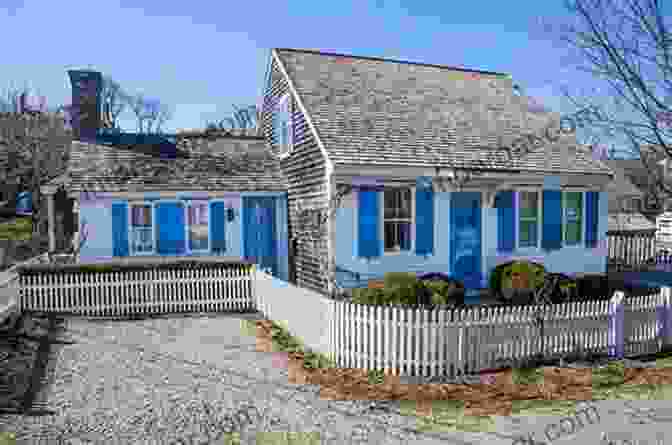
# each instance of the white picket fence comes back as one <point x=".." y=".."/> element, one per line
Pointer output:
<point x="398" y="340"/>
<point x="421" y="342"/>
<point x="226" y="287"/>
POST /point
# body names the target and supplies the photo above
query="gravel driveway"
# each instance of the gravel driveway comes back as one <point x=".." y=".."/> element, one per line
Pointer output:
<point x="154" y="381"/>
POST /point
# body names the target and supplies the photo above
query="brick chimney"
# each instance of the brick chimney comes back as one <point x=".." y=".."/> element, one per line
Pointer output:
<point x="86" y="87"/>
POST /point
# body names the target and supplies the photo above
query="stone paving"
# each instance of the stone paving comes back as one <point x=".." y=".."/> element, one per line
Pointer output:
<point x="153" y="381"/>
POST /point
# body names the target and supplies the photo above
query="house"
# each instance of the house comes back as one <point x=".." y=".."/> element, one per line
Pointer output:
<point x="419" y="148"/>
<point x="189" y="194"/>
<point x="627" y="201"/>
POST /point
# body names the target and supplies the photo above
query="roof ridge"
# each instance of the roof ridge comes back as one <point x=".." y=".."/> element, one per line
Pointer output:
<point x="384" y="59"/>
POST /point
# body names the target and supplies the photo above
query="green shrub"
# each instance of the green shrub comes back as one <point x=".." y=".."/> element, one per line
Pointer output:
<point x="405" y="289"/>
<point x="375" y="376"/>
<point x="402" y="279"/>
<point x="501" y="276"/>
<point x="388" y="295"/>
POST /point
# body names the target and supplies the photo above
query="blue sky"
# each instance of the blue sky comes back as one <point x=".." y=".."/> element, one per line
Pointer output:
<point x="201" y="57"/>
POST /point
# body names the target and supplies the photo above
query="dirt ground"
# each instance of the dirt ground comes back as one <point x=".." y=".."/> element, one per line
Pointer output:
<point x="500" y="391"/>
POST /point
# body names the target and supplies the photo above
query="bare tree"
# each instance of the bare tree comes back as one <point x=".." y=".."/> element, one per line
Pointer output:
<point x="150" y="114"/>
<point x="626" y="46"/>
<point x="38" y="144"/>
<point x="114" y="101"/>
<point x="246" y="117"/>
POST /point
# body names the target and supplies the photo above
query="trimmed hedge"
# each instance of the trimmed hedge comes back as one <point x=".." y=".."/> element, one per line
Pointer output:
<point x="403" y="288"/>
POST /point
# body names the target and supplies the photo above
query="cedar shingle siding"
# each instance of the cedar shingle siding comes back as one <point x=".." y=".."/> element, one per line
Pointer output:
<point x="305" y="173"/>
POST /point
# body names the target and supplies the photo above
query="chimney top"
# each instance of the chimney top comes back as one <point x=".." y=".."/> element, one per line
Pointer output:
<point x="86" y="88"/>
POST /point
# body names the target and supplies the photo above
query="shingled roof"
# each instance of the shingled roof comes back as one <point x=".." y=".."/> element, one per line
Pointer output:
<point x="384" y="112"/>
<point x="214" y="164"/>
<point x="622" y="186"/>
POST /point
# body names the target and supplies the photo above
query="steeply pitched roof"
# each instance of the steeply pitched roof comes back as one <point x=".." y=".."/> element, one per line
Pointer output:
<point x="371" y="111"/>
<point x="622" y="184"/>
<point x="221" y="164"/>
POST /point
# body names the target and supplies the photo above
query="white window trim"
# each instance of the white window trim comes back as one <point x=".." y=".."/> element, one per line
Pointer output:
<point x="188" y="203"/>
<point x="582" y="240"/>
<point x="129" y="217"/>
<point x="285" y="102"/>
<point x="538" y="190"/>
<point x="381" y="219"/>
<point x="532" y="250"/>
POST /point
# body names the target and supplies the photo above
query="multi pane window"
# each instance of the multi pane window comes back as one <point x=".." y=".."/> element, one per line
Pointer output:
<point x="141" y="234"/>
<point x="572" y="217"/>
<point x="197" y="225"/>
<point x="528" y="225"/>
<point x="397" y="219"/>
<point x="283" y="125"/>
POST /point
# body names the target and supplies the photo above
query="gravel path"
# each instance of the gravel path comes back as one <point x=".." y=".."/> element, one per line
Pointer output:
<point x="188" y="380"/>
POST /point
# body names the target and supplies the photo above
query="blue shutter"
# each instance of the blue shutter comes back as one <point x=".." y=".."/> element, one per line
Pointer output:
<point x="218" y="226"/>
<point x="552" y="220"/>
<point x="424" y="217"/>
<point x="506" y="221"/>
<point x="119" y="229"/>
<point x="369" y="244"/>
<point x="170" y="236"/>
<point x="592" y="216"/>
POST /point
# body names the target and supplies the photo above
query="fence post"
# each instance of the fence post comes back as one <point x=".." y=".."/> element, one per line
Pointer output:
<point x="616" y="338"/>
<point x="664" y="317"/>
<point x="255" y="288"/>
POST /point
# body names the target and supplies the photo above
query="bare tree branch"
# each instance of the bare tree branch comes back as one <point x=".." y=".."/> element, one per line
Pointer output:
<point x="114" y="100"/>
<point x="625" y="45"/>
<point x="150" y="114"/>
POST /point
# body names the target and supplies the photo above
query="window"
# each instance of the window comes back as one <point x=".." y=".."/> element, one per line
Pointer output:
<point x="397" y="219"/>
<point x="529" y="218"/>
<point x="197" y="226"/>
<point x="141" y="233"/>
<point x="572" y="209"/>
<point x="282" y="128"/>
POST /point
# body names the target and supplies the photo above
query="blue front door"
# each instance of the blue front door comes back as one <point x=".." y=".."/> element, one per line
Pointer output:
<point x="465" y="238"/>
<point x="170" y="236"/>
<point x="259" y="232"/>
